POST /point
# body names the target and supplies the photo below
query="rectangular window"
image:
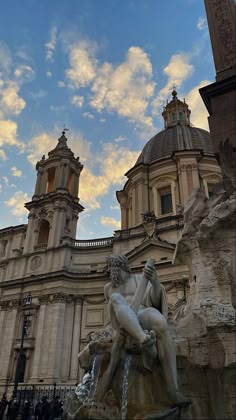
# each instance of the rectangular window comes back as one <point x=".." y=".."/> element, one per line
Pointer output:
<point x="50" y="180"/>
<point x="165" y="200"/>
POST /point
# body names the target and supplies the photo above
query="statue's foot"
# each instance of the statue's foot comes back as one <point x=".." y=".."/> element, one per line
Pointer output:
<point x="180" y="400"/>
<point x="148" y="341"/>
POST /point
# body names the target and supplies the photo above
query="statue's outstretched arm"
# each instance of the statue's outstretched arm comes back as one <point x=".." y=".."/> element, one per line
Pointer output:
<point x="155" y="291"/>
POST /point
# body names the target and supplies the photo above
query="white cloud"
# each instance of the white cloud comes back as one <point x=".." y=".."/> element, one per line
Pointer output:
<point x="113" y="162"/>
<point x="77" y="100"/>
<point x="5" y="58"/>
<point x="8" y="134"/>
<point x="16" y="203"/>
<point x="49" y="74"/>
<point x="115" y="207"/>
<point x="0" y="188"/>
<point x="61" y="84"/>
<point x="51" y="44"/>
<point x="24" y="73"/>
<point x="100" y="172"/>
<point x="3" y="155"/>
<point x="177" y="71"/>
<point x="16" y="172"/>
<point x="10" y="101"/>
<point x="43" y="142"/>
<point x="119" y="139"/>
<point x="201" y="23"/>
<point x="88" y="115"/>
<point x="38" y="95"/>
<point x="6" y="180"/>
<point x="109" y="221"/>
<point x="125" y="89"/>
<point x="82" y="64"/>
<point x="57" y="108"/>
<point x="199" y="113"/>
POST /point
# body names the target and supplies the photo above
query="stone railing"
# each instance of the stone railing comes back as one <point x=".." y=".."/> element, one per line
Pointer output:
<point x="88" y="243"/>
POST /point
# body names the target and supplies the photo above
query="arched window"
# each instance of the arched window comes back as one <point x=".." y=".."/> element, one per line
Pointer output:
<point x="180" y="116"/>
<point x="173" y="116"/>
<point x="43" y="232"/>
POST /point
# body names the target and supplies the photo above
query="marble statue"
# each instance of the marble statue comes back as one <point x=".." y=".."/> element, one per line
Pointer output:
<point x="134" y="352"/>
<point x="138" y="313"/>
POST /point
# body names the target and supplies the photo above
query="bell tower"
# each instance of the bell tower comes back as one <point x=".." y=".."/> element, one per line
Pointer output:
<point x="55" y="207"/>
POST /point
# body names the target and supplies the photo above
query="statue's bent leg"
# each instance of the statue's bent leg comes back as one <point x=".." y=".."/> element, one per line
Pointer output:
<point x="127" y="318"/>
<point x="152" y="319"/>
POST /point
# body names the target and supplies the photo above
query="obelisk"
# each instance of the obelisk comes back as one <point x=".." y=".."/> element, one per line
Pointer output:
<point x="220" y="97"/>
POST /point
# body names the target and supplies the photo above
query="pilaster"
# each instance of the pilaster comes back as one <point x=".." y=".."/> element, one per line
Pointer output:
<point x="74" y="365"/>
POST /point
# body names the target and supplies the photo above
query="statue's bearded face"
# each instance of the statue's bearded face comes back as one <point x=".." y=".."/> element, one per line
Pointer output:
<point x="118" y="270"/>
<point x="117" y="276"/>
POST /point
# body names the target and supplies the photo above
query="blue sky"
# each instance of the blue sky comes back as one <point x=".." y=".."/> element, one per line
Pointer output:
<point x="104" y="68"/>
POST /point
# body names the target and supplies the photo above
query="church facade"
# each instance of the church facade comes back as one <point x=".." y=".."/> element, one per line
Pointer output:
<point x="65" y="276"/>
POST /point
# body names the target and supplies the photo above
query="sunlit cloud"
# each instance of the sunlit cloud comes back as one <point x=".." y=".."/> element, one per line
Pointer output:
<point x="109" y="221"/>
<point x="125" y="89"/>
<point x="10" y="100"/>
<point x="82" y="64"/>
<point x="199" y="113"/>
<point x="8" y="134"/>
<point x="24" y="73"/>
<point x="77" y="100"/>
<point x="177" y="71"/>
<point x="16" y="172"/>
<point x="16" y="203"/>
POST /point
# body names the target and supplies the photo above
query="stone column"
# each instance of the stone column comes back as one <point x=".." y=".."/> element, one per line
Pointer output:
<point x="123" y="217"/>
<point x="43" y="184"/>
<point x="56" y="337"/>
<point x="195" y="176"/>
<point x="2" y="316"/>
<point x="133" y="207"/>
<point x="74" y="363"/>
<point x="141" y="202"/>
<point x="173" y="198"/>
<point x="56" y="228"/>
<point x="28" y="244"/>
<point x="184" y="184"/>
<point x="74" y="226"/>
<point x="7" y="338"/>
<point x="66" y="174"/>
<point x="155" y="202"/>
<point x="38" y="183"/>
<point x="39" y="339"/>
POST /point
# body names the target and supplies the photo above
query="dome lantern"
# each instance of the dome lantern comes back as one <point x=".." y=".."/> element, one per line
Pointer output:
<point x="176" y="112"/>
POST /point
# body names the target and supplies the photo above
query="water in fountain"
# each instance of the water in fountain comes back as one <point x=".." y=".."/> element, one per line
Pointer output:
<point x="94" y="374"/>
<point x="125" y="387"/>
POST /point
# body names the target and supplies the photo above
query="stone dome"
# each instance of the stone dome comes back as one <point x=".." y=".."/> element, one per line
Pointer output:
<point x="176" y="138"/>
